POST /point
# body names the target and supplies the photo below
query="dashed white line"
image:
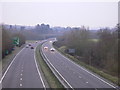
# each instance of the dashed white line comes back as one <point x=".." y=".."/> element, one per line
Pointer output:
<point x="10" y="66"/>
<point x="21" y="74"/>
<point x="86" y="82"/>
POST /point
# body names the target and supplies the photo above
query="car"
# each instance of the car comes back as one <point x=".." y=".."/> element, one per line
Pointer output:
<point x="13" y="49"/>
<point x="27" y="46"/>
<point x="52" y="49"/>
<point x="32" y="47"/>
<point x="36" y="41"/>
<point x="45" y="47"/>
<point x="50" y="41"/>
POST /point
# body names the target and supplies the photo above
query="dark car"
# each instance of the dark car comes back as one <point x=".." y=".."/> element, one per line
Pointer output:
<point x="52" y="49"/>
<point x="29" y="44"/>
<point x="32" y="47"/>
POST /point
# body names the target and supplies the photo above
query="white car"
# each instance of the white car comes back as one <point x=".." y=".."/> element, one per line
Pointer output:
<point x="50" y="41"/>
<point x="27" y="46"/>
<point x="52" y="49"/>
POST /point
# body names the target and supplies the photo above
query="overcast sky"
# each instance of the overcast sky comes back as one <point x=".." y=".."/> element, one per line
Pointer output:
<point x="92" y="14"/>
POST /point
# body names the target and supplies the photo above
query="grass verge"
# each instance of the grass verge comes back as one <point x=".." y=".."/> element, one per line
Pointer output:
<point x="93" y="69"/>
<point x="50" y="77"/>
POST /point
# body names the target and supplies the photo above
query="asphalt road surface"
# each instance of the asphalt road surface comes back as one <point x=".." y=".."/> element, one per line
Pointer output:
<point x="23" y="72"/>
<point x="75" y="75"/>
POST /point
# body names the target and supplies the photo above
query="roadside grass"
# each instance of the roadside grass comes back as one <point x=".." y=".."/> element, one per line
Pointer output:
<point x="50" y="77"/>
<point x="94" y="40"/>
<point x="93" y="69"/>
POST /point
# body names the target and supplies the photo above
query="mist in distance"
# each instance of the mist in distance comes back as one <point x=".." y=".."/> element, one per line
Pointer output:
<point x="64" y="14"/>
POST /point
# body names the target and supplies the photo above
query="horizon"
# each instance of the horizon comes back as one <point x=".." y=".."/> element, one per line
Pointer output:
<point x="58" y="26"/>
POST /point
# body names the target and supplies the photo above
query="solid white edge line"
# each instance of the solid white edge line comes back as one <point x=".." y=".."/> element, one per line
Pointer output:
<point x="86" y="70"/>
<point x="38" y="69"/>
<point x="57" y="70"/>
<point x="10" y="66"/>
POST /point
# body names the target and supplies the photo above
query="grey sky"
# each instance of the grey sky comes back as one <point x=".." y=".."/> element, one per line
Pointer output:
<point x="93" y="14"/>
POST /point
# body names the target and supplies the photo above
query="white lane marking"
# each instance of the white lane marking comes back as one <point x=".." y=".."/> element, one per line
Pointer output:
<point x="86" y="82"/>
<point x="21" y="79"/>
<point x="20" y="85"/>
<point x="57" y="70"/>
<point x="10" y="66"/>
<point x="21" y="70"/>
<point x="38" y="69"/>
<point x="87" y="71"/>
<point x="21" y="74"/>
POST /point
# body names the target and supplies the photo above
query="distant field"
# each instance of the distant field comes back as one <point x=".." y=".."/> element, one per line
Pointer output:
<point x="95" y="40"/>
<point x="31" y="41"/>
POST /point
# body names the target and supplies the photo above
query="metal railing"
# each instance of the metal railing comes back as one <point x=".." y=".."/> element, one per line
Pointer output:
<point x="54" y="71"/>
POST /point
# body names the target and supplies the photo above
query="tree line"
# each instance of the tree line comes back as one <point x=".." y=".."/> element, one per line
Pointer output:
<point x="8" y="40"/>
<point x="101" y="52"/>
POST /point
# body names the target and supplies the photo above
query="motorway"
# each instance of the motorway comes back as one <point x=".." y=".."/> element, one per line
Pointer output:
<point x="23" y="71"/>
<point x="75" y="75"/>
